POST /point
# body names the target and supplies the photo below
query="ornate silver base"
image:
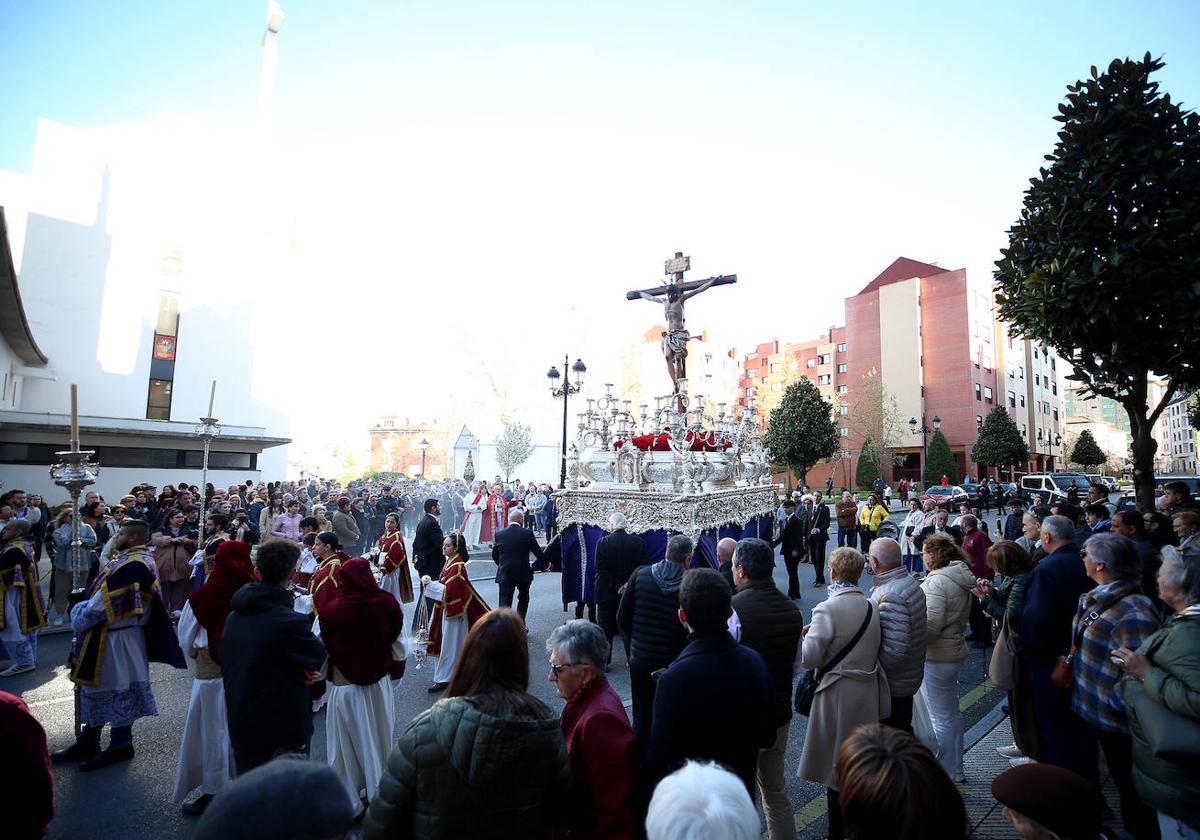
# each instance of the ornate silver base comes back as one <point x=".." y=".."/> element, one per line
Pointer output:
<point x="683" y="513"/>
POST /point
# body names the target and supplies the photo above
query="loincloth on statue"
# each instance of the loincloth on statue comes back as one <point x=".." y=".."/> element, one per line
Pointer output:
<point x="674" y="343"/>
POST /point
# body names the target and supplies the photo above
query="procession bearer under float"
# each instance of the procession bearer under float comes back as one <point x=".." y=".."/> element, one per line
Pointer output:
<point x="121" y="626"/>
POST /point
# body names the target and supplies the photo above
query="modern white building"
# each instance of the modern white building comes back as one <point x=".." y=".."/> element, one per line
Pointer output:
<point x="1031" y="383"/>
<point x="142" y="262"/>
<point x="1180" y="434"/>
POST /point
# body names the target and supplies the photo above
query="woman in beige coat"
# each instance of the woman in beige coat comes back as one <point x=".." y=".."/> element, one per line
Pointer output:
<point x="853" y="693"/>
<point x="948" y="603"/>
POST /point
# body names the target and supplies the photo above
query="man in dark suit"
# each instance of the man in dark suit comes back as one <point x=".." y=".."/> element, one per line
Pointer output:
<point x="617" y="555"/>
<point x="511" y="552"/>
<point x="735" y="719"/>
<point x="941" y="525"/>
<point x="794" y="539"/>
<point x="427" y="544"/>
<point x="817" y="513"/>
<point x="427" y="548"/>
<point x="1044" y="633"/>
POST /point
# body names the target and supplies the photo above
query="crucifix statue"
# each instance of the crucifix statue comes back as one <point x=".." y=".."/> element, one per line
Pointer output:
<point x="672" y="296"/>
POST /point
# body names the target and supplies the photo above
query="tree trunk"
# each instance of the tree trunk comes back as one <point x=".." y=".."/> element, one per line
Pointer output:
<point x="1144" y="447"/>
<point x="1141" y="424"/>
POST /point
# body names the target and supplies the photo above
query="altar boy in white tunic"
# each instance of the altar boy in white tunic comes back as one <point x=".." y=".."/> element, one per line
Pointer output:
<point x="120" y="627"/>
<point x="205" y="756"/>
<point x="360" y="626"/>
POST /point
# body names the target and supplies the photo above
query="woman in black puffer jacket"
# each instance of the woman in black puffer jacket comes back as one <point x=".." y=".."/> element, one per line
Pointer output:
<point x="487" y="761"/>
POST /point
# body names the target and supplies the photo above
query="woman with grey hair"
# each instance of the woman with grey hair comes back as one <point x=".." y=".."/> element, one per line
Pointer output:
<point x="600" y="742"/>
<point x="1165" y="672"/>
<point x="1114" y="614"/>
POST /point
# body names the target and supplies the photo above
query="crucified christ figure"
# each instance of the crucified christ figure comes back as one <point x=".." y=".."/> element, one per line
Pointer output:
<point x="676" y="337"/>
<point x="672" y="296"/>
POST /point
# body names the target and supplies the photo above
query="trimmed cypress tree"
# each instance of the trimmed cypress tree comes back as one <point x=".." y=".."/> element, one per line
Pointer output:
<point x="940" y="461"/>
<point x="1086" y="452"/>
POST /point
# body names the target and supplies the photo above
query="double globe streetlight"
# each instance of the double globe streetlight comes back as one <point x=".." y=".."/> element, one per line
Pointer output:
<point x="578" y="370"/>
<point x="925" y="431"/>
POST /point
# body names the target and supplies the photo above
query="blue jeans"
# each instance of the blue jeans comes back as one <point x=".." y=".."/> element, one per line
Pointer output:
<point x="847" y="536"/>
<point x="914" y="563"/>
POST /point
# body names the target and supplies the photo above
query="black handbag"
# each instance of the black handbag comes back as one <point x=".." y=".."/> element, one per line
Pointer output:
<point x="806" y="689"/>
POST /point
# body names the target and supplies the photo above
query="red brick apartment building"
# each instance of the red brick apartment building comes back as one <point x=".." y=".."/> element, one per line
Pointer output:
<point x="931" y="334"/>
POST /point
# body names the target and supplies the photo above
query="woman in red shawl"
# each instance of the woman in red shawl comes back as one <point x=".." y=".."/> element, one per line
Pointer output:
<point x="454" y="615"/>
<point x="205" y="760"/>
<point x="361" y="628"/>
<point x="393" y="559"/>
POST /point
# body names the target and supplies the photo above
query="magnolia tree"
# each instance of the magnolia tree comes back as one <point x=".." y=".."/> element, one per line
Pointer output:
<point x="801" y="431"/>
<point x="1000" y="443"/>
<point x="1103" y="264"/>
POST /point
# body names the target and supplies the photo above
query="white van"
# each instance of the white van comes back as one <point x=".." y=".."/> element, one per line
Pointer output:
<point x="1054" y="486"/>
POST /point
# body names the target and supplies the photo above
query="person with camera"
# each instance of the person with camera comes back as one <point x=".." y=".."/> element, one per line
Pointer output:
<point x="174" y="544"/>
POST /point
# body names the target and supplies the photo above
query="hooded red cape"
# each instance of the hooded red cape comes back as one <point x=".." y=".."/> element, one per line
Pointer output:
<point x="232" y="570"/>
<point x="359" y="625"/>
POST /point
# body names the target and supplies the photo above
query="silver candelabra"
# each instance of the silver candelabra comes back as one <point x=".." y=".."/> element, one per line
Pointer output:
<point x="207" y="429"/>
<point x="74" y="472"/>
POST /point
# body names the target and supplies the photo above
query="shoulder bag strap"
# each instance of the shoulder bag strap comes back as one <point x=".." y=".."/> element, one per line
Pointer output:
<point x="1091" y="618"/>
<point x="833" y="663"/>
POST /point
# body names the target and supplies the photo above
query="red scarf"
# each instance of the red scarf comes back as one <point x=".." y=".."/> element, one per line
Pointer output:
<point x="231" y="571"/>
<point x="359" y="625"/>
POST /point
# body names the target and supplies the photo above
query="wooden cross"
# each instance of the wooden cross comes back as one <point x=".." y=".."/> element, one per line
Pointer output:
<point x="675" y="267"/>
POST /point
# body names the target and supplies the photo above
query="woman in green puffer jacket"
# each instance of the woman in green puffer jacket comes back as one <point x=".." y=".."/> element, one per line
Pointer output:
<point x="487" y="761"/>
<point x="1166" y="668"/>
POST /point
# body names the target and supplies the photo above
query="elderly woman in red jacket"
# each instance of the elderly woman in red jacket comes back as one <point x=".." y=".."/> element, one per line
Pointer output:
<point x="600" y="742"/>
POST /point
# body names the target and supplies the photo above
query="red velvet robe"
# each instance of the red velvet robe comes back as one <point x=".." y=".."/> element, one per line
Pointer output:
<point x="494" y="518"/>
<point x="460" y="599"/>
<point x="326" y="579"/>
<point x="393" y="556"/>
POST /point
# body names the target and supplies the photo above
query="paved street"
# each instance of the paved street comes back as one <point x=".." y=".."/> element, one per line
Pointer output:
<point x="135" y="797"/>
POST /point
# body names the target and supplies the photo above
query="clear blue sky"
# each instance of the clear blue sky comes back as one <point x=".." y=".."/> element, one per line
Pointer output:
<point x="909" y="64"/>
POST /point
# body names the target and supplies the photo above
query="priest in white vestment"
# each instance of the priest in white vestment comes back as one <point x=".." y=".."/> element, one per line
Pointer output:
<point x="475" y="505"/>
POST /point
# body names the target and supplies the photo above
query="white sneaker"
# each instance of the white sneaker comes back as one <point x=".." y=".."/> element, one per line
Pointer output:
<point x="1010" y="752"/>
<point x="13" y="670"/>
<point x="58" y="621"/>
<point x="1017" y="762"/>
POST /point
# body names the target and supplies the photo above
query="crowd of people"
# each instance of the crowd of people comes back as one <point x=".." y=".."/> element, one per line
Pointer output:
<point x="1091" y="614"/>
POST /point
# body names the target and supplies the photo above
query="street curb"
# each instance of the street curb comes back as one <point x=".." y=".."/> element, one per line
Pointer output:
<point x="985" y="725"/>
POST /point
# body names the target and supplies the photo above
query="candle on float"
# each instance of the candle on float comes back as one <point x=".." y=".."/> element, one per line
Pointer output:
<point x="212" y="396"/>
<point x="74" y="413"/>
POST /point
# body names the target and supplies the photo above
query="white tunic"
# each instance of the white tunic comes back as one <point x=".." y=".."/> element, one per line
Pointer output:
<point x="123" y="694"/>
<point x="358" y="735"/>
<point x="359" y="720"/>
<point x="205" y="755"/>
<point x="454" y="636"/>
<point x="473" y="523"/>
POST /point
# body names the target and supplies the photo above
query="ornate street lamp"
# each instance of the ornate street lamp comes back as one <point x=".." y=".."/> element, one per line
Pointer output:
<point x="925" y="431"/>
<point x="423" y="444"/>
<point x="579" y="371"/>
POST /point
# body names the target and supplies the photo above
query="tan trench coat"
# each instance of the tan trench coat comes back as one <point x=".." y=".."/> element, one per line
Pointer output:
<point x="854" y="693"/>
